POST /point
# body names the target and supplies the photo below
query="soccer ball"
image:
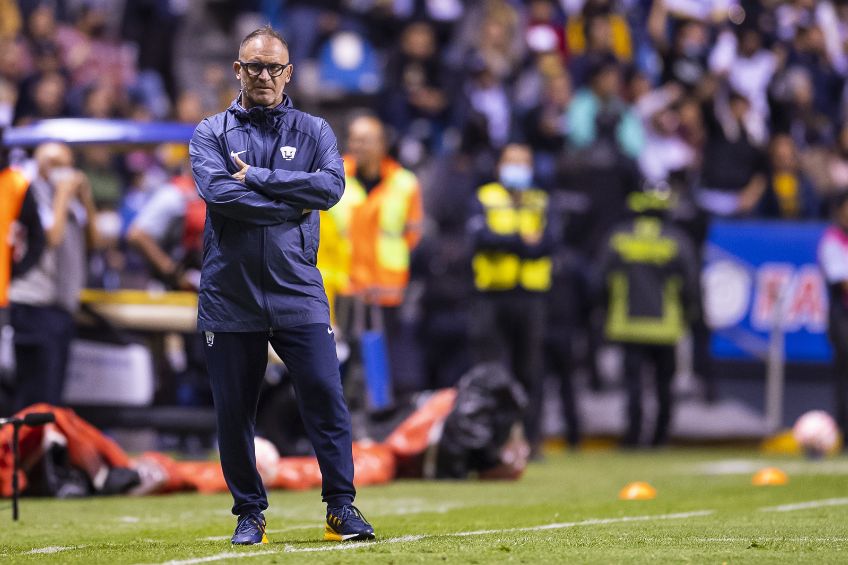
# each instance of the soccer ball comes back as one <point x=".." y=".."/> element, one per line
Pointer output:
<point x="816" y="433"/>
<point x="267" y="457"/>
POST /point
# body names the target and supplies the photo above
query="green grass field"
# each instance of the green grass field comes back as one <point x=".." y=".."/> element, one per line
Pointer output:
<point x="565" y="509"/>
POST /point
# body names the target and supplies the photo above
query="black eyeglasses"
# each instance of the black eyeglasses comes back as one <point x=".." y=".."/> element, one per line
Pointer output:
<point x="255" y="69"/>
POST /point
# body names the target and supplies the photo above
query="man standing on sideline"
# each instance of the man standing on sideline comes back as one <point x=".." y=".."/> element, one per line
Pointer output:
<point x="649" y="277"/>
<point x="19" y="224"/>
<point x="264" y="170"/>
<point x="378" y="222"/>
<point x="511" y="232"/>
<point x="45" y="299"/>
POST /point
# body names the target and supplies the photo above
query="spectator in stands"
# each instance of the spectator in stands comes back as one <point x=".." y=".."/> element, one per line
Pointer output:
<point x="545" y="32"/>
<point x="684" y="56"/>
<point x="512" y="237"/>
<point x="794" y="110"/>
<point x="598" y="112"/>
<point x="666" y="150"/>
<point x="597" y="34"/>
<point x="487" y="96"/>
<point x="544" y="126"/>
<point x="741" y="56"/>
<point x="810" y="53"/>
<point x="833" y="261"/>
<point x="45" y="300"/>
<point x="415" y="95"/>
<point x="496" y="41"/>
<point x="789" y="194"/>
<point x="733" y="165"/>
<point x="168" y="231"/>
<point x="649" y="277"/>
<point x="48" y="99"/>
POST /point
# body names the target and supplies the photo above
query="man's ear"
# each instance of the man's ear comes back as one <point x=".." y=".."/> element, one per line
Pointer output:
<point x="290" y="72"/>
<point x="237" y="69"/>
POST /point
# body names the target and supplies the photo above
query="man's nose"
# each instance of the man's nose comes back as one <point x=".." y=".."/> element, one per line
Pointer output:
<point x="265" y="74"/>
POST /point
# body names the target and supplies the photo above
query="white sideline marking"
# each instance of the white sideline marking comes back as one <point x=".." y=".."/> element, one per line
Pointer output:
<point x="806" y="505"/>
<point x="129" y="519"/>
<point x="589" y="522"/>
<point x="351" y="545"/>
<point x="52" y="549"/>
<point x="402" y="539"/>
<point x="795" y="539"/>
<point x="746" y="466"/>
<point x="219" y="557"/>
<point x="275" y="531"/>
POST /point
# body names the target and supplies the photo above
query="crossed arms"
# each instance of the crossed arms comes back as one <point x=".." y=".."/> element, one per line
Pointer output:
<point x="263" y="196"/>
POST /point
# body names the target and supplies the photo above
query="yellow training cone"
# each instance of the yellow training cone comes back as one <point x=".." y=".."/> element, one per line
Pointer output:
<point x="769" y="476"/>
<point x="637" y="491"/>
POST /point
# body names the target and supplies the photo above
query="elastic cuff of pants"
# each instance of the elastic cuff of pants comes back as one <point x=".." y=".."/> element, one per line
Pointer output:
<point x="336" y="501"/>
<point x="248" y="509"/>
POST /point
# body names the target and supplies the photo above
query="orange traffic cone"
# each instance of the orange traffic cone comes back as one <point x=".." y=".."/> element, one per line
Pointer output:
<point x="769" y="476"/>
<point x="637" y="491"/>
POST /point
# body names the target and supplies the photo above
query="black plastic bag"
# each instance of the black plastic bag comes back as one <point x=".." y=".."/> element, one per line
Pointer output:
<point x="489" y="403"/>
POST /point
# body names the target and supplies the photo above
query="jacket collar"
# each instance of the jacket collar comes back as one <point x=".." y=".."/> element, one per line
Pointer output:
<point x="259" y="115"/>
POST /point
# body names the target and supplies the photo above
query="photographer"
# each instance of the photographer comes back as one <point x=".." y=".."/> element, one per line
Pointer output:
<point x="21" y="244"/>
<point x="45" y="300"/>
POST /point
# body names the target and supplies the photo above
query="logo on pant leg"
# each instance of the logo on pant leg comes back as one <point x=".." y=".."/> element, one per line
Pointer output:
<point x="210" y="338"/>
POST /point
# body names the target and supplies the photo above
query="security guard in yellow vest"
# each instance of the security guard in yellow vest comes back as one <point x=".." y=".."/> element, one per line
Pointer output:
<point x="513" y="238"/>
<point x="650" y="276"/>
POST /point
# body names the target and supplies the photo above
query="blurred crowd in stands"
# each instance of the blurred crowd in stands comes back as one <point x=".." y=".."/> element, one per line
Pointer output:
<point x="736" y="108"/>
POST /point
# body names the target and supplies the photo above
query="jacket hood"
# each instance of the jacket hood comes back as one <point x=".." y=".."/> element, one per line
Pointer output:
<point x="259" y="115"/>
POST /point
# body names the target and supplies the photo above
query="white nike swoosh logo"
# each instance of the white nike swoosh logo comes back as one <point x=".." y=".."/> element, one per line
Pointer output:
<point x="330" y="331"/>
<point x="234" y="154"/>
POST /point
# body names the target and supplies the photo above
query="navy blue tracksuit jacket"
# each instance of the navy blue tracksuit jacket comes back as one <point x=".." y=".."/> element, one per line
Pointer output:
<point x="270" y="222"/>
<point x="259" y="275"/>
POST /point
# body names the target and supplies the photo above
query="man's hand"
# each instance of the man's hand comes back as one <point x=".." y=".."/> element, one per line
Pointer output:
<point x="242" y="172"/>
<point x="84" y="191"/>
<point x="66" y="182"/>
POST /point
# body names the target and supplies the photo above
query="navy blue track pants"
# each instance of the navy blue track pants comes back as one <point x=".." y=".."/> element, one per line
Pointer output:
<point x="237" y="363"/>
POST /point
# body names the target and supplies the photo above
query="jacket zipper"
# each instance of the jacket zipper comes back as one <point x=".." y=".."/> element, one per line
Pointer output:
<point x="264" y="263"/>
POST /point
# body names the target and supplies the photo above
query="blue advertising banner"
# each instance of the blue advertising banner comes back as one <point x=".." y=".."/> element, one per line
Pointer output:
<point x="757" y="273"/>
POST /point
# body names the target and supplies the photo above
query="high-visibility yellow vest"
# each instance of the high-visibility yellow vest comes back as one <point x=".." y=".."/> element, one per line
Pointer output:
<point x="373" y="234"/>
<point x="13" y="187"/>
<point x="644" y="245"/>
<point x="502" y="270"/>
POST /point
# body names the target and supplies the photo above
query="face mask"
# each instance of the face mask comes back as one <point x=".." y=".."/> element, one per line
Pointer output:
<point x="59" y="174"/>
<point x="516" y="177"/>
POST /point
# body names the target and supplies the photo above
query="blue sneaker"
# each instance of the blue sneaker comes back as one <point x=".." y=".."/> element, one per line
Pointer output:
<point x="346" y="523"/>
<point x="250" y="530"/>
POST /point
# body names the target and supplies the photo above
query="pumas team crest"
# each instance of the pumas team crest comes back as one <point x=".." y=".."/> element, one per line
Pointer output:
<point x="288" y="152"/>
<point x="210" y="338"/>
